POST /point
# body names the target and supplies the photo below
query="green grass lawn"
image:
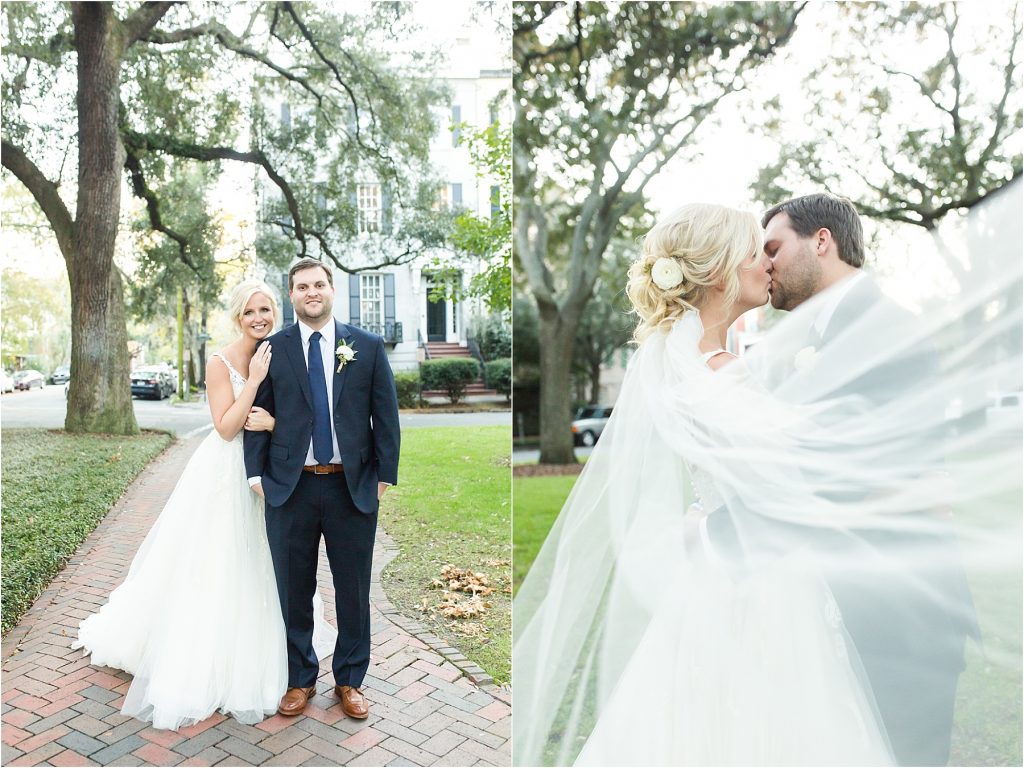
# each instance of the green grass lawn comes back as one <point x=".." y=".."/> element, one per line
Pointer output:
<point x="452" y="507"/>
<point x="987" y="729"/>
<point x="56" y="488"/>
<point x="537" y="502"/>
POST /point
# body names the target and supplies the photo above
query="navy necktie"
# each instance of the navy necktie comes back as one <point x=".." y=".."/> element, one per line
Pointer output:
<point x="323" y="451"/>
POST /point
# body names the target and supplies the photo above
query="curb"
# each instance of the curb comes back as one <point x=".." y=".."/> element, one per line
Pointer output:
<point x="471" y="670"/>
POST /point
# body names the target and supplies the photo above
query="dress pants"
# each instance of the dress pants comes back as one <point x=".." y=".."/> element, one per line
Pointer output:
<point x="322" y="506"/>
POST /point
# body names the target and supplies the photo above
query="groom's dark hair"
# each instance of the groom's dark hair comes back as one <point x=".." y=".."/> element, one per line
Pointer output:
<point x="810" y="213"/>
<point x="306" y="263"/>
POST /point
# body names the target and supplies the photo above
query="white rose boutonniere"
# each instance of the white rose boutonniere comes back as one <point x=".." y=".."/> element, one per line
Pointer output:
<point x="805" y="359"/>
<point x="345" y="354"/>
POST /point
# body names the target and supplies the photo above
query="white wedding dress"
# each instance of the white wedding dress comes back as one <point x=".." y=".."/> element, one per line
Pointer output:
<point x="740" y="671"/>
<point x="197" y="621"/>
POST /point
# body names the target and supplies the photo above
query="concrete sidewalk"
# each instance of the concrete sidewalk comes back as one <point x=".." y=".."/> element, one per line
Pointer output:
<point x="57" y="709"/>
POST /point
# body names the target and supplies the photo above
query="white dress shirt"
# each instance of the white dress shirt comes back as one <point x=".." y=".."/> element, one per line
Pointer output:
<point x="327" y="342"/>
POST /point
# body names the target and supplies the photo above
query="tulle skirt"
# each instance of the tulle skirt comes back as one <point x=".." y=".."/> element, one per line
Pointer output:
<point x="741" y="672"/>
<point x="197" y="621"/>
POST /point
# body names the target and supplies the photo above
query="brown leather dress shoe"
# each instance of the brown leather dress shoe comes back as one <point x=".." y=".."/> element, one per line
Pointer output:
<point x="353" y="703"/>
<point x="294" y="701"/>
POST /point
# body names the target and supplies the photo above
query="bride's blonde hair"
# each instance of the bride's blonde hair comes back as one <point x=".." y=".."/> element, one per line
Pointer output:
<point x="709" y="243"/>
<point x="240" y="296"/>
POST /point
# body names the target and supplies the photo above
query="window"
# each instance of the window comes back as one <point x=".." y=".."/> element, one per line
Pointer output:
<point x="286" y="116"/>
<point x="371" y="301"/>
<point x="456" y="195"/>
<point x="368" y="200"/>
<point x="443" y="199"/>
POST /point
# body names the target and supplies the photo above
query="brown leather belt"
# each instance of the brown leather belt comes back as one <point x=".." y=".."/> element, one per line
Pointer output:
<point x="323" y="469"/>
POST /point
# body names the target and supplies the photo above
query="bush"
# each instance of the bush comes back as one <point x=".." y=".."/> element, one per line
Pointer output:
<point x="494" y="337"/>
<point x="498" y="375"/>
<point x="408" y="385"/>
<point x="452" y="375"/>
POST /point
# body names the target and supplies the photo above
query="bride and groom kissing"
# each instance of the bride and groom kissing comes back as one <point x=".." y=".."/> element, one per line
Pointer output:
<point x="810" y="607"/>
<point x="220" y="609"/>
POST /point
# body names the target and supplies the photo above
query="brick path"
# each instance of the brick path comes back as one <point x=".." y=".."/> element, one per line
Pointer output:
<point x="59" y="710"/>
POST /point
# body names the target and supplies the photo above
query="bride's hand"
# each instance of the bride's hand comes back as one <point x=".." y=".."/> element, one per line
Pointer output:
<point x="259" y="420"/>
<point x="260" y="363"/>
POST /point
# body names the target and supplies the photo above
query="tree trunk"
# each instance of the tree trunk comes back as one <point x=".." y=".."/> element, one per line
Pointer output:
<point x="100" y="398"/>
<point x="595" y="383"/>
<point x="558" y="336"/>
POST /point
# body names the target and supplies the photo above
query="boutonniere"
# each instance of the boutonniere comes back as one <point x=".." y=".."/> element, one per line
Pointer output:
<point x="345" y="354"/>
<point x="805" y="359"/>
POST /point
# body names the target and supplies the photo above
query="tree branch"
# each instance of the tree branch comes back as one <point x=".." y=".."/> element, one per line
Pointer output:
<point x="168" y="145"/>
<point x="1008" y="84"/>
<point x="45" y="193"/>
<point x="226" y="38"/>
<point x="144" y="18"/>
<point x="142" y="190"/>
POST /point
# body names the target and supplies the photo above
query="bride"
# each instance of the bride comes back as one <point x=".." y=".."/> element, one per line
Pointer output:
<point x="197" y="621"/>
<point x="757" y="543"/>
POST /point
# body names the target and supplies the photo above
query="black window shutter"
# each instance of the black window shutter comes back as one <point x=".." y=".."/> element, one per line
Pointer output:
<point x="287" y="310"/>
<point x="353" y="299"/>
<point x="389" y="300"/>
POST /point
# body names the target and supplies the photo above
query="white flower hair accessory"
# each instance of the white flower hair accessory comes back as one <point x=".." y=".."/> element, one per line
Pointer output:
<point x="805" y="359"/>
<point x="345" y="353"/>
<point x="666" y="273"/>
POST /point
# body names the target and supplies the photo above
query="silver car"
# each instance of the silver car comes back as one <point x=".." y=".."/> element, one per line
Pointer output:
<point x="589" y="424"/>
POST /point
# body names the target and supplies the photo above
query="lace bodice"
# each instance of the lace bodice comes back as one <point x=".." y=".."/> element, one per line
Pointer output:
<point x="237" y="379"/>
<point x="704" y="488"/>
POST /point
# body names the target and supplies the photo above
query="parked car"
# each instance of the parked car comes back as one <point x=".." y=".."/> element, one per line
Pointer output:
<point x="1005" y="410"/>
<point x="29" y="379"/>
<point x="6" y="382"/>
<point x="589" y="424"/>
<point x="61" y="374"/>
<point x="151" y="381"/>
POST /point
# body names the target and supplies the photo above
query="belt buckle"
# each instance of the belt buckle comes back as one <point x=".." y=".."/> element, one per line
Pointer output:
<point x="325" y="470"/>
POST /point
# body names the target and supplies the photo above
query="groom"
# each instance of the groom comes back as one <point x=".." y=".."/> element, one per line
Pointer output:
<point x="910" y="635"/>
<point x="332" y="454"/>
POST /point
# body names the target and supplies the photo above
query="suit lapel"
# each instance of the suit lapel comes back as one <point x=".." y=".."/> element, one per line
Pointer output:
<point x="293" y="349"/>
<point x="341" y="333"/>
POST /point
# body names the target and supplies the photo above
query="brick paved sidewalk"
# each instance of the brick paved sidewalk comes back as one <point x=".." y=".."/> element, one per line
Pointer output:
<point x="59" y="710"/>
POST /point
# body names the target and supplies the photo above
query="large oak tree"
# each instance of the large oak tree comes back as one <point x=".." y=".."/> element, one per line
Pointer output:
<point x="606" y="94"/>
<point x="99" y="94"/>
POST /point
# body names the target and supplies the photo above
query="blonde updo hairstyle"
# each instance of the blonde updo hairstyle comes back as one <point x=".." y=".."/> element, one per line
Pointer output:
<point x="710" y="244"/>
<point x="240" y="296"/>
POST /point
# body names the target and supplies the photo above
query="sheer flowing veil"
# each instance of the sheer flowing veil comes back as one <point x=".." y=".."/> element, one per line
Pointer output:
<point x="884" y="457"/>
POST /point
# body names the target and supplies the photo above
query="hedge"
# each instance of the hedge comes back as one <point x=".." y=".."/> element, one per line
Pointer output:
<point x="451" y="375"/>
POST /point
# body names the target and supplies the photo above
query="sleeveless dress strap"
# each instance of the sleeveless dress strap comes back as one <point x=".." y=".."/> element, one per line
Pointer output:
<point x="228" y="364"/>
<point x="708" y="355"/>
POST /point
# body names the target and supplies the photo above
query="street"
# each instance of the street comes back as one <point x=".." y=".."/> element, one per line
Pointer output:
<point x="531" y="455"/>
<point x="46" y="408"/>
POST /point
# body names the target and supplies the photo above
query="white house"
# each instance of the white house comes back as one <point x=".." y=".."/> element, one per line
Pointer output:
<point x="393" y="301"/>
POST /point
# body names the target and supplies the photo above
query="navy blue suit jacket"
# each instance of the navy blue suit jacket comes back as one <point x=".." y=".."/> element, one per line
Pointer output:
<point x="365" y="418"/>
